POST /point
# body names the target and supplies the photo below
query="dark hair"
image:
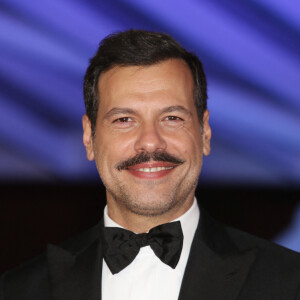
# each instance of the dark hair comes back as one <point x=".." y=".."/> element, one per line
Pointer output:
<point x="139" y="48"/>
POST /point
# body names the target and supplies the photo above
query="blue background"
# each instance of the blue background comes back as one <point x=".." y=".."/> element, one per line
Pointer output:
<point x="250" y="51"/>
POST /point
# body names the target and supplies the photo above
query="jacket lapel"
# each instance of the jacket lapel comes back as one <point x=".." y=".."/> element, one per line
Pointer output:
<point x="216" y="269"/>
<point x="75" y="275"/>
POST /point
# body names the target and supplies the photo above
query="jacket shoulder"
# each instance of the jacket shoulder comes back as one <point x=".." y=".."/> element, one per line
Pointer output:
<point x="276" y="268"/>
<point x="28" y="281"/>
<point x="31" y="279"/>
<point x="244" y="240"/>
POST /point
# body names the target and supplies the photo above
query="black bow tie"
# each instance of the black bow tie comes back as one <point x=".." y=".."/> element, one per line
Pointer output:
<point x="121" y="246"/>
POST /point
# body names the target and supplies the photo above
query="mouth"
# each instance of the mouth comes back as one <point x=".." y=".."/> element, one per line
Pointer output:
<point x="151" y="170"/>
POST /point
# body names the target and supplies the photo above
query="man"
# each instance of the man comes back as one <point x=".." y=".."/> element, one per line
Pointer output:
<point x="146" y="126"/>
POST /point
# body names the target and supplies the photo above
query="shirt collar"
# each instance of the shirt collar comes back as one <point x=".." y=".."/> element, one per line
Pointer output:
<point x="189" y="222"/>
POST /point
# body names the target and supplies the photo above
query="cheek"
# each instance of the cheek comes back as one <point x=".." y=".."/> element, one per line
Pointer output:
<point x="188" y="144"/>
<point x="113" y="150"/>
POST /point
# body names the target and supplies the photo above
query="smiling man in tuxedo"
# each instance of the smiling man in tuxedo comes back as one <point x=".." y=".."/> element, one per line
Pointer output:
<point x="146" y="126"/>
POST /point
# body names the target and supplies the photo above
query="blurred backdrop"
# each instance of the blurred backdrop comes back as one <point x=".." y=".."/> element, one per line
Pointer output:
<point x="250" y="52"/>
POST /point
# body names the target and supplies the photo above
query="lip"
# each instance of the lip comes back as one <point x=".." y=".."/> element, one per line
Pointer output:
<point x="135" y="170"/>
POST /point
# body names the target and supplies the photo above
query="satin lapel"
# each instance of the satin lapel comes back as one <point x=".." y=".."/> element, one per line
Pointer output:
<point x="215" y="269"/>
<point x="75" y="277"/>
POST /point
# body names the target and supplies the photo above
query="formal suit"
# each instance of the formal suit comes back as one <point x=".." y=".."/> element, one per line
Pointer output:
<point x="224" y="263"/>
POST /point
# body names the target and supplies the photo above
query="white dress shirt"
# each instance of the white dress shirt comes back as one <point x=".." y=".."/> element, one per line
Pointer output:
<point x="147" y="277"/>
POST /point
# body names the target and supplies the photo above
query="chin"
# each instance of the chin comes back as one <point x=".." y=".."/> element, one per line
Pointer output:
<point x="150" y="206"/>
<point x="149" y="211"/>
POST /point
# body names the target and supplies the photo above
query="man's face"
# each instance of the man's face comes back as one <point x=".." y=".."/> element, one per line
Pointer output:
<point x="148" y="145"/>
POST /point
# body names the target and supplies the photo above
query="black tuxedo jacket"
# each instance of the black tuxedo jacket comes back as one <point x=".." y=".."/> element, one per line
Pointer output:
<point x="224" y="263"/>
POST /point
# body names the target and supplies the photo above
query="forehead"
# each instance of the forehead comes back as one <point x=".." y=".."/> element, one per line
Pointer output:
<point x="170" y="80"/>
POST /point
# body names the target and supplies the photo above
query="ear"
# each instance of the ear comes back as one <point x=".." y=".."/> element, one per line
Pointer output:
<point x="206" y="133"/>
<point x="88" y="138"/>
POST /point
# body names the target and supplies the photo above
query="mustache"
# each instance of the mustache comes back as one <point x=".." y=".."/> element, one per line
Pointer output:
<point x="146" y="157"/>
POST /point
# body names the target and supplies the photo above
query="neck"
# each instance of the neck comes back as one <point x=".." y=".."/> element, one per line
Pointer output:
<point x="142" y="223"/>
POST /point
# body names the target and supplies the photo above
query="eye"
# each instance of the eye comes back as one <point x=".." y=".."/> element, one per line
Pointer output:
<point x="173" y="118"/>
<point x="173" y="121"/>
<point x="123" y="120"/>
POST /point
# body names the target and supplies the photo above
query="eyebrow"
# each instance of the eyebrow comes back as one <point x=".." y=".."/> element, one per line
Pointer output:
<point x="119" y="110"/>
<point x="180" y="108"/>
<point x="127" y="110"/>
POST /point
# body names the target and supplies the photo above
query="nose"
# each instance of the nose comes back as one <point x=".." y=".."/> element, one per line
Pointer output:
<point x="150" y="139"/>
